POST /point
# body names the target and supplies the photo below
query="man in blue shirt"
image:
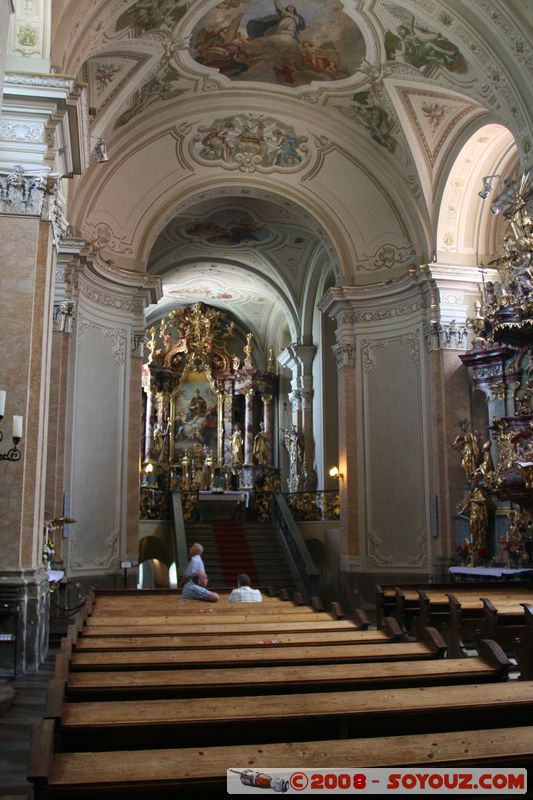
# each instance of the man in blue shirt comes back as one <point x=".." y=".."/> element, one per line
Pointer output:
<point x="196" y="589"/>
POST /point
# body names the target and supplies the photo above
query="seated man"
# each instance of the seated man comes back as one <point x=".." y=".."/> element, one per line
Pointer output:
<point x="244" y="593"/>
<point x="196" y="589"/>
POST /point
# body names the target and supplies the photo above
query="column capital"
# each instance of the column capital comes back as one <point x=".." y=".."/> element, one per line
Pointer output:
<point x="63" y="316"/>
<point x="344" y="353"/>
<point x="44" y="125"/>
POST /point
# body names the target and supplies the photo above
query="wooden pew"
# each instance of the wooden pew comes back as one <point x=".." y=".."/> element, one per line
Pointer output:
<point x="459" y="620"/>
<point x="282" y="633"/>
<point x="201" y="772"/>
<point x="433" y="646"/>
<point x="230" y="640"/>
<point x="209" y="721"/>
<point x="207" y="629"/>
<point x="403" y="601"/>
<point x="491" y="665"/>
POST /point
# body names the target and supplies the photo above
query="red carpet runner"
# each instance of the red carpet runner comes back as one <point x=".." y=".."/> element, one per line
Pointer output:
<point x="234" y="552"/>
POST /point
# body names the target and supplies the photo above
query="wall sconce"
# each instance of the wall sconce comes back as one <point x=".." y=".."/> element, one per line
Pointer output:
<point x="13" y="454"/>
<point x="100" y="151"/>
<point x="487" y="186"/>
<point x="334" y="473"/>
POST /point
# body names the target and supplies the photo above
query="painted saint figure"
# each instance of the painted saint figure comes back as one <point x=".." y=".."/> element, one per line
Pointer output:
<point x="287" y="23"/>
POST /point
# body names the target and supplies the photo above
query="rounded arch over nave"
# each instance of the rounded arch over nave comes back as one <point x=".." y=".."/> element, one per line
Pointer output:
<point x="377" y="171"/>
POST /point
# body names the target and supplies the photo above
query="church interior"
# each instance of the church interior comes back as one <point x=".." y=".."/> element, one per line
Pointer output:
<point x="267" y="286"/>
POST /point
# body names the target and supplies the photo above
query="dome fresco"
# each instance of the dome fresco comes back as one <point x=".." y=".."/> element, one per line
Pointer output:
<point x="271" y="42"/>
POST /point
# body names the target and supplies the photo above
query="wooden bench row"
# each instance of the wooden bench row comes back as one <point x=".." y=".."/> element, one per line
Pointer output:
<point x="171" y="700"/>
<point x="201" y="772"/>
<point x="464" y="615"/>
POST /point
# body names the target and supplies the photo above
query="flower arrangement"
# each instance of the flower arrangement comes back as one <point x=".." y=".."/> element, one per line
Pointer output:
<point x="515" y="553"/>
<point x="464" y="552"/>
<point x="470" y="556"/>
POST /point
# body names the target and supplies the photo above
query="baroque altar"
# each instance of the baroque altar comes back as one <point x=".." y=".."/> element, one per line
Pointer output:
<point x="207" y="410"/>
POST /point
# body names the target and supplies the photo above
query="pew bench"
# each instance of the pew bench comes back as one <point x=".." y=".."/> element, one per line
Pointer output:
<point x="199" y="772"/>
<point x="207" y="628"/>
<point x="230" y="640"/>
<point x="433" y="646"/>
<point x="208" y="721"/>
<point x="207" y="614"/>
<point x="491" y="665"/>
<point x="130" y="638"/>
<point x="403" y="601"/>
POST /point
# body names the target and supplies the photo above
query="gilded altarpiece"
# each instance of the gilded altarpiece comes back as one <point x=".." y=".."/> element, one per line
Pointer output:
<point x="203" y="408"/>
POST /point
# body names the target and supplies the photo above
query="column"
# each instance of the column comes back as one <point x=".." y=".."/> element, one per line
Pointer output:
<point x="134" y="435"/>
<point x="227" y="421"/>
<point x="306" y="355"/>
<point x="299" y="359"/>
<point x="27" y="260"/>
<point x="63" y="316"/>
<point x="448" y="339"/>
<point x="266" y="399"/>
<point x="248" y="426"/>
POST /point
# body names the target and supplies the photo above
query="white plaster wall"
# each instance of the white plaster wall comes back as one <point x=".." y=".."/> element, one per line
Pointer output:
<point x="5" y="12"/>
<point x="98" y="445"/>
<point x="394" y="466"/>
<point x="392" y="410"/>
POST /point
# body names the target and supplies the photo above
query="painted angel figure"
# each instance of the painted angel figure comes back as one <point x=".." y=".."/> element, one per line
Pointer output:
<point x="416" y="45"/>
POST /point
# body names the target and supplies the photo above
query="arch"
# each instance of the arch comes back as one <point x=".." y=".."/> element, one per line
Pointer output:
<point x="466" y="230"/>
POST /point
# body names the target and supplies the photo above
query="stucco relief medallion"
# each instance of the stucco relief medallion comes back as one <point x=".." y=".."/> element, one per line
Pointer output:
<point x="250" y="143"/>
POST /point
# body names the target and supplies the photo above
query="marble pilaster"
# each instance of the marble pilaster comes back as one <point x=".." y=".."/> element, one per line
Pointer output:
<point x="266" y="399"/>
<point x="26" y="275"/>
<point x="248" y="426"/>
<point x="384" y="424"/>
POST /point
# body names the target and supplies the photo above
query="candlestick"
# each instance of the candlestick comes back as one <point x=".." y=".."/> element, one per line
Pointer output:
<point x="17" y="427"/>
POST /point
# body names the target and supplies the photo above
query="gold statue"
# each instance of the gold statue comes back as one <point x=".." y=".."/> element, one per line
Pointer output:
<point x="262" y="445"/>
<point x="478" y="517"/>
<point x="468" y="442"/>
<point x="248" y="351"/>
<point x="151" y="343"/>
<point x="486" y="467"/>
<point x="236" y="442"/>
<point x="506" y="450"/>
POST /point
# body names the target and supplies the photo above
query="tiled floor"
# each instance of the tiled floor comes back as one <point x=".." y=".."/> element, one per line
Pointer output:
<point x="15" y="728"/>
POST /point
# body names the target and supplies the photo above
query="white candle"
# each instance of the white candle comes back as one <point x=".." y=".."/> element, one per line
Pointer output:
<point x="2" y="402"/>
<point x="17" y="427"/>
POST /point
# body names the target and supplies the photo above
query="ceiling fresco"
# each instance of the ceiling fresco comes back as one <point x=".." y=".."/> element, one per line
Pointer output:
<point x="229" y="227"/>
<point x="270" y="42"/>
<point x="262" y="93"/>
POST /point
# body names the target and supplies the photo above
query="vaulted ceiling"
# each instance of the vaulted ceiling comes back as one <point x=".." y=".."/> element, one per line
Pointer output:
<point x="257" y="147"/>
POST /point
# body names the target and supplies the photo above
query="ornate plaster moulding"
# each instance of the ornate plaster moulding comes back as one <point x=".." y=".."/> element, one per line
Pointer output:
<point x="461" y="274"/>
<point x="433" y="117"/>
<point x="125" y="284"/>
<point x="407" y="295"/>
<point x="38" y="85"/>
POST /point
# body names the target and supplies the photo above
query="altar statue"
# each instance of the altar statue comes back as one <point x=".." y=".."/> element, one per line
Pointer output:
<point x="261" y="445"/>
<point x="236" y="442"/>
